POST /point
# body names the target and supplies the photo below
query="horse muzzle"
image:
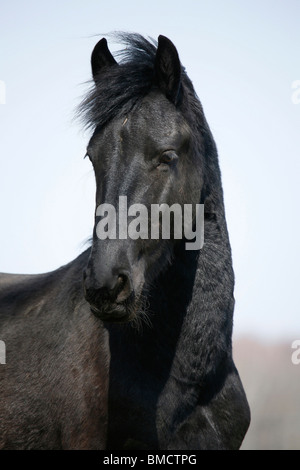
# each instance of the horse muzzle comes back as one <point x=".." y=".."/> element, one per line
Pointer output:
<point x="110" y="297"/>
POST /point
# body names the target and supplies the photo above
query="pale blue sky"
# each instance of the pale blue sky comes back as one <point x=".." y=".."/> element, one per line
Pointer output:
<point x="242" y="57"/>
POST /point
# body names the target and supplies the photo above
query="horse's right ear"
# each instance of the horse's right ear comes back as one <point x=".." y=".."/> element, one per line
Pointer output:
<point x="101" y="57"/>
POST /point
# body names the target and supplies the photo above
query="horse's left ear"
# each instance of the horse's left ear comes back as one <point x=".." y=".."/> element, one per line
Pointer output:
<point x="101" y="57"/>
<point x="168" y="69"/>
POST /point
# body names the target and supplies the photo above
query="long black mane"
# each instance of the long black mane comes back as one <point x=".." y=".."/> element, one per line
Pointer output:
<point x="118" y="88"/>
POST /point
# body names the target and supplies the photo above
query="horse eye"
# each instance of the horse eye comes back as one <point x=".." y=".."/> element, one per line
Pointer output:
<point x="168" y="157"/>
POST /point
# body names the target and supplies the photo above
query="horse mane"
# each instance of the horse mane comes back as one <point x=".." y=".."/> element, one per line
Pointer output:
<point x="119" y="87"/>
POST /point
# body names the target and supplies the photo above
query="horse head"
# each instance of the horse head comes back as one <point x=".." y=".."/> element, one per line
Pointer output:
<point x="144" y="155"/>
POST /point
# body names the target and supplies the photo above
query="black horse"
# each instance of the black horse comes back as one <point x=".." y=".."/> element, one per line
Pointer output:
<point x="129" y="345"/>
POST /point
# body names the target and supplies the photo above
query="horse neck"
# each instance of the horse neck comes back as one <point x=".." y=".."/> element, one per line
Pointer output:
<point x="194" y="305"/>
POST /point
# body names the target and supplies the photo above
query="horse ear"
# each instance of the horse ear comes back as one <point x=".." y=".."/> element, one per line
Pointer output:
<point x="101" y="57"/>
<point x="168" y="68"/>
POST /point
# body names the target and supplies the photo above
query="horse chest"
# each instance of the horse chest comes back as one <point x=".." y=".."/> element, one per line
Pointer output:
<point x="137" y="404"/>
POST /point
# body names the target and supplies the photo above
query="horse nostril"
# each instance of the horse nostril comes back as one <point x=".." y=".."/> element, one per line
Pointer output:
<point x="111" y="288"/>
<point x="121" y="281"/>
<point x="123" y="289"/>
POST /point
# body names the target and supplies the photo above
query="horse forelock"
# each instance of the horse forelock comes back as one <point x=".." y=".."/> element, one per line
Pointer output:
<point x="118" y="88"/>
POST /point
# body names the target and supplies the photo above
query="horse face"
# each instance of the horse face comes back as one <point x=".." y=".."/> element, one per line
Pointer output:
<point x="142" y="160"/>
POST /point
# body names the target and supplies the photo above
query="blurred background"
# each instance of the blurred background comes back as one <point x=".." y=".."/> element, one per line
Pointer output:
<point x="243" y="58"/>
